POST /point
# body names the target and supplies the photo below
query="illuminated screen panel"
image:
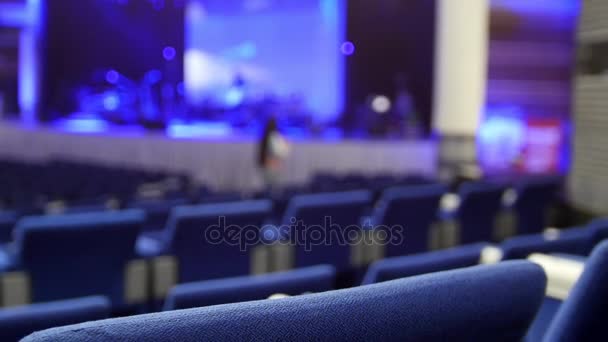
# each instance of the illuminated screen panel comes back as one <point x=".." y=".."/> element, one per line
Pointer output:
<point x="243" y="51"/>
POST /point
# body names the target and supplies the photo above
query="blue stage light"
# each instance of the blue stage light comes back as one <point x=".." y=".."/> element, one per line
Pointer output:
<point x="112" y="76"/>
<point x="111" y="101"/>
<point x="234" y="97"/>
<point x="169" y="53"/>
<point x="152" y="77"/>
<point x="347" y="48"/>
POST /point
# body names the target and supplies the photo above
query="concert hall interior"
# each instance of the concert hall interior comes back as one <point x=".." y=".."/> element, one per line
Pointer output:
<point x="186" y="170"/>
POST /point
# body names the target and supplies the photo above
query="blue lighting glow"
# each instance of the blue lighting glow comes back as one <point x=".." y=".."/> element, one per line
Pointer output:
<point x="111" y="101"/>
<point x="501" y="137"/>
<point x="243" y="51"/>
<point x="82" y="125"/>
<point x="199" y="129"/>
<point x="234" y="97"/>
<point x="180" y="89"/>
<point x="347" y="48"/>
<point x="169" y="53"/>
<point x="112" y="76"/>
<point x="553" y="7"/>
<point x="153" y="76"/>
<point x="285" y="49"/>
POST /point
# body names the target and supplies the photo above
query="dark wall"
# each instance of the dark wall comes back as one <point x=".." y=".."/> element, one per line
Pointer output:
<point x="392" y="37"/>
<point x="85" y="38"/>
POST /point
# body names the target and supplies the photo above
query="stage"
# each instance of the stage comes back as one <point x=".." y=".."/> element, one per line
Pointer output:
<point x="211" y="156"/>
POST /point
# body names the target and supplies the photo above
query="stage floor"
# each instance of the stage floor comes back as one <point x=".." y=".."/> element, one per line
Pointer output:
<point x="211" y="153"/>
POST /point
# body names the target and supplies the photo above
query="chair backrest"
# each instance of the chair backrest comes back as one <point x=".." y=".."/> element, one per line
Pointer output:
<point x="480" y="203"/>
<point x="414" y="208"/>
<point x="241" y="289"/>
<point x="215" y="240"/>
<point x="18" y="322"/>
<point x="412" y="265"/>
<point x="599" y="232"/>
<point x="68" y="256"/>
<point x="570" y="241"/>
<point x="563" y="271"/>
<point x="318" y="224"/>
<point x="460" y="305"/>
<point x="582" y="316"/>
<point x="533" y="199"/>
<point x="157" y="211"/>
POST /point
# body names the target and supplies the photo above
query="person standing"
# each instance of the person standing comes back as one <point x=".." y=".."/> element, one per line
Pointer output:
<point x="273" y="149"/>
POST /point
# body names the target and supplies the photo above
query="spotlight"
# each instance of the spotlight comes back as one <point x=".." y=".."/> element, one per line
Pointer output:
<point x="111" y="101"/>
<point x="381" y="104"/>
<point x="347" y="48"/>
<point x="112" y="76"/>
<point x="169" y="53"/>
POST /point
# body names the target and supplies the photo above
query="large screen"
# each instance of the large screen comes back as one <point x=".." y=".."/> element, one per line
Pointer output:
<point x="251" y="51"/>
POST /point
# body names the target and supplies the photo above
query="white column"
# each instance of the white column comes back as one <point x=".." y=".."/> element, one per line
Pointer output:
<point x="461" y="63"/>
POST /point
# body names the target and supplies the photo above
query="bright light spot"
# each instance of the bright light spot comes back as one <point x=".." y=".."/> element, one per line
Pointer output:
<point x="234" y="97"/>
<point x="82" y="125"/>
<point x="195" y="11"/>
<point x="501" y="138"/>
<point x="112" y="76"/>
<point x="381" y="104"/>
<point x="111" y="102"/>
<point x="169" y="53"/>
<point x="347" y="48"/>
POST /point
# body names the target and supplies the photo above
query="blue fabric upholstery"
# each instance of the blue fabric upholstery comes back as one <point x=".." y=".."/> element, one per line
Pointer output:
<point x="582" y="316"/>
<point x="482" y="303"/>
<point x="414" y="208"/>
<point x="78" y="255"/>
<point x="479" y="206"/>
<point x="157" y="211"/>
<point x="313" y="214"/>
<point x="534" y="197"/>
<point x="543" y="319"/>
<point x="599" y="232"/>
<point x="187" y="237"/>
<point x="18" y="322"/>
<point x="412" y="265"/>
<point x="8" y="219"/>
<point x="570" y="241"/>
<point x="241" y="289"/>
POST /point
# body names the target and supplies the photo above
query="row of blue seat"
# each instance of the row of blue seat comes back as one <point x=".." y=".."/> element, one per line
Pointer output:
<point x="491" y="302"/>
<point x="46" y="246"/>
<point x="321" y="278"/>
<point x="23" y="185"/>
<point x="575" y="241"/>
<point x="402" y="309"/>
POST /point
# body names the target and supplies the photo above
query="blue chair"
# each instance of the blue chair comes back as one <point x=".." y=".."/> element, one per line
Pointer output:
<point x="412" y="265"/>
<point x="563" y="271"/>
<point x="534" y="197"/>
<point x="480" y="203"/>
<point x="318" y="225"/>
<point x="461" y="305"/>
<point x="414" y="208"/>
<point x="211" y="240"/>
<point x="241" y="289"/>
<point x="157" y="211"/>
<point x="582" y="316"/>
<point x="570" y="241"/>
<point x="78" y="255"/>
<point x="18" y="322"/>
<point x="599" y="232"/>
<point x="8" y="219"/>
